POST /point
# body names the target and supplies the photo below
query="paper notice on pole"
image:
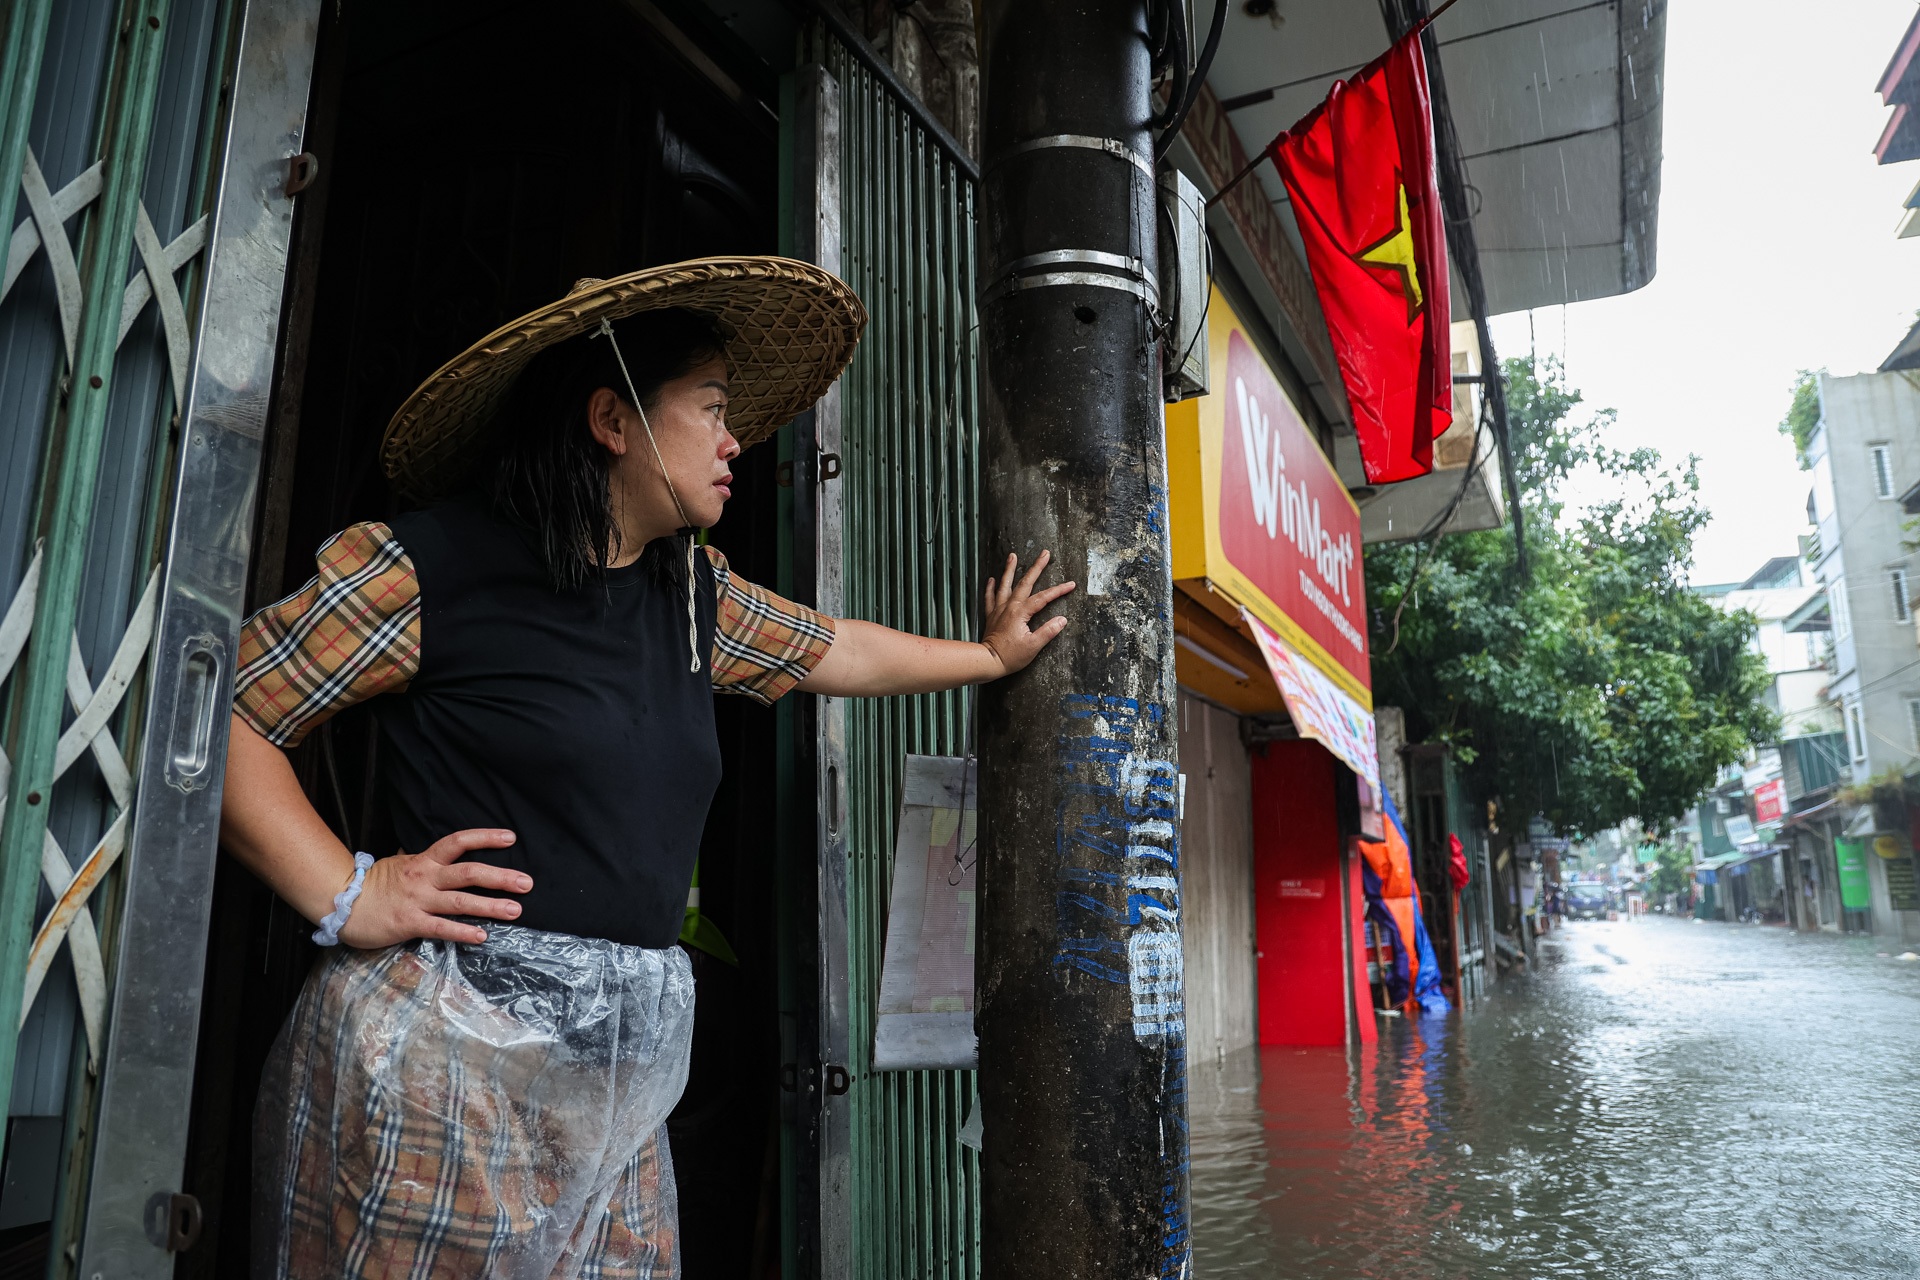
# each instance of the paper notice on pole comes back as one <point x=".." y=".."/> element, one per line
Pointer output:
<point x="926" y="978"/>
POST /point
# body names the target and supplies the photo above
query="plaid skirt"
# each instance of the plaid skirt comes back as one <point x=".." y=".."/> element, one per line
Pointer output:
<point x="437" y="1110"/>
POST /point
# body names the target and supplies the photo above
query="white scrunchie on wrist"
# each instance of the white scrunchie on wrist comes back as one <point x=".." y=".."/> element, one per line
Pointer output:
<point x="328" y="934"/>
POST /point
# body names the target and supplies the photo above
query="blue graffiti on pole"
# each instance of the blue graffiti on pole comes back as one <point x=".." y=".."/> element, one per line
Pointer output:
<point x="1118" y="904"/>
<point x="1119" y="919"/>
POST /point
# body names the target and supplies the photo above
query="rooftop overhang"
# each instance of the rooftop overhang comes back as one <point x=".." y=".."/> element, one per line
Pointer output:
<point x="1556" y="105"/>
<point x="1813" y="615"/>
<point x="1899" y="88"/>
<point x="1904" y="356"/>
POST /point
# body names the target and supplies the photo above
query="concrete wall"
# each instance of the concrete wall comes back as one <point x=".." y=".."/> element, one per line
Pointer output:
<point x="1216" y="900"/>
<point x="1888" y="923"/>
<point x="1861" y="540"/>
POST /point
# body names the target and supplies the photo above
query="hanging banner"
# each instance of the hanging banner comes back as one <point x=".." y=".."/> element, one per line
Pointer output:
<point x="1359" y="170"/>
<point x="1856" y="891"/>
<point x="1320" y="710"/>
<point x="1769" y="802"/>
<point x="925" y="1018"/>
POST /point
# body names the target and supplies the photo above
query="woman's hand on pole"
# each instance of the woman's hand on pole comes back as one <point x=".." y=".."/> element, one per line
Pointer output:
<point x="1010" y="606"/>
<point x="410" y="895"/>
<point x="871" y="661"/>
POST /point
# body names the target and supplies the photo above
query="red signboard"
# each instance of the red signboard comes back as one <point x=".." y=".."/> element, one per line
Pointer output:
<point x="1286" y="521"/>
<point x="1769" y="804"/>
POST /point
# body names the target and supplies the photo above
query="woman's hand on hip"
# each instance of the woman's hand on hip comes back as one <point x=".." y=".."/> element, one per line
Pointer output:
<point x="410" y="895"/>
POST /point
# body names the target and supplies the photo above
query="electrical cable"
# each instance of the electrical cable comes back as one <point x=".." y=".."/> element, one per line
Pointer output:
<point x="1200" y="69"/>
<point x="1463" y="248"/>
<point x="1183" y="81"/>
<point x="1159" y="24"/>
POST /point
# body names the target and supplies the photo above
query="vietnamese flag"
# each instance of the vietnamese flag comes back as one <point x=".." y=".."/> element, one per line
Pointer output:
<point x="1359" y="169"/>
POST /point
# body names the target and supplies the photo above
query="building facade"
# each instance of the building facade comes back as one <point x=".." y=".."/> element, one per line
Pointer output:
<point x="241" y="231"/>
<point x="1864" y="456"/>
<point x="1742" y="828"/>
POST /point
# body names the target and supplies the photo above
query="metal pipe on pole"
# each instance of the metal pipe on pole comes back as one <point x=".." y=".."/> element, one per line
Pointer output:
<point x="1082" y="1031"/>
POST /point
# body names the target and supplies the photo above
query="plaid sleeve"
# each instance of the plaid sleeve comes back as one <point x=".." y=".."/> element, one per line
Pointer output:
<point x="351" y="633"/>
<point x="762" y="645"/>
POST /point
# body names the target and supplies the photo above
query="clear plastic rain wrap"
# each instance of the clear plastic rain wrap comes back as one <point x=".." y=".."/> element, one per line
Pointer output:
<point x="475" y="1111"/>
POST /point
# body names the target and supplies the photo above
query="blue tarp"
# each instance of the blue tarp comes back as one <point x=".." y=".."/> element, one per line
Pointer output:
<point x="1426" y="988"/>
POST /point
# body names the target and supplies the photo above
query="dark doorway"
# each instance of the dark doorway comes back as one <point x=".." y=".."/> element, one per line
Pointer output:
<point x="476" y="160"/>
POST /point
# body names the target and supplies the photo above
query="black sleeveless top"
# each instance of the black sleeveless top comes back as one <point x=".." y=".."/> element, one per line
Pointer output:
<point x="571" y="719"/>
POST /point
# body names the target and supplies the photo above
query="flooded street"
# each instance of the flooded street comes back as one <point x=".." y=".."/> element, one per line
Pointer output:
<point x="1662" y="1099"/>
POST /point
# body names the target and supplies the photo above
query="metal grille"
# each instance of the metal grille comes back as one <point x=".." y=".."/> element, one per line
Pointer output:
<point x="129" y="246"/>
<point x="911" y="470"/>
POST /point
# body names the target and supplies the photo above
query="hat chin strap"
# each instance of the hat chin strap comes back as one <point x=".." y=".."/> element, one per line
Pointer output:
<point x="686" y="525"/>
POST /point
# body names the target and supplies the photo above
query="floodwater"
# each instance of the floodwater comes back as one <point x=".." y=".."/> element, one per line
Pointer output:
<point x="1661" y="1098"/>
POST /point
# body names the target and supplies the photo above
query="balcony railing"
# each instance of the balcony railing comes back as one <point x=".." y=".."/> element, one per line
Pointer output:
<point x="1813" y="763"/>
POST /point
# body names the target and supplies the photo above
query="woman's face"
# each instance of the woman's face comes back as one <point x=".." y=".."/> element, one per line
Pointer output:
<point x="689" y="420"/>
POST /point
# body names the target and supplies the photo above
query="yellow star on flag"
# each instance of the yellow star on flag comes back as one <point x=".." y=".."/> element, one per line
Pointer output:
<point x="1395" y="251"/>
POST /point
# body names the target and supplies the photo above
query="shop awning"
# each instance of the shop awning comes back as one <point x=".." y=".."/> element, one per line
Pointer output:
<point x="1320" y="709"/>
<point x="1734" y="861"/>
<point x="1816" y="813"/>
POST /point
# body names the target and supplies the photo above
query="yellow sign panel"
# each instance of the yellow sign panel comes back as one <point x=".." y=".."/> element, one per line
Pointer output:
<point x="1259" y="515"/>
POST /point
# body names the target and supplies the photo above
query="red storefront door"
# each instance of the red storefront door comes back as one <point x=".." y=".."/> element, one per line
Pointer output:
<point x="1299" y="920"/>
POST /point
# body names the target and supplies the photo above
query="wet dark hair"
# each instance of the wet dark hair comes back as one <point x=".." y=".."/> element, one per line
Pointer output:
<point x="552" y="478"/>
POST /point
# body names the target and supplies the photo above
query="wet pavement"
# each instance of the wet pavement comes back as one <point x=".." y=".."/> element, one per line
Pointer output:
<point x="1662" y="1098"/>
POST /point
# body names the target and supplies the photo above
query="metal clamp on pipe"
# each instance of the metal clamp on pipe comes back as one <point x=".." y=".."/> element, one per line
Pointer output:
<point x="1112" y="146"/>
<point x="1132" y="277"/>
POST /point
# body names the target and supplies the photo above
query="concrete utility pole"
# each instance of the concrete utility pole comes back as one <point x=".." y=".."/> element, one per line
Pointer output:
<point x="1082" y="1030"/>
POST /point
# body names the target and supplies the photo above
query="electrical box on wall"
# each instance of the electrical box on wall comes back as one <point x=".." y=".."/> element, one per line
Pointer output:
<point x="1185" y="285"/>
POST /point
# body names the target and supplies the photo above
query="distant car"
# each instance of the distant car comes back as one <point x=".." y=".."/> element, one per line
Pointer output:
<point x="1587" y="902"/>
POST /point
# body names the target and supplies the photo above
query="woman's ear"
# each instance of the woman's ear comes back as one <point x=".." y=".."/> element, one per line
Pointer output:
<point x="604" y="421"/>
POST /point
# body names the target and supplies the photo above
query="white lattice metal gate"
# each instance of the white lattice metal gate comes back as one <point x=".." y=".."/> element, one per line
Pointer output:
<point x="145" y="151"/>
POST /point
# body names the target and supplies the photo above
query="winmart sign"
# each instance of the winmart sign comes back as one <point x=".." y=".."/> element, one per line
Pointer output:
<point x="1260" y="515"/>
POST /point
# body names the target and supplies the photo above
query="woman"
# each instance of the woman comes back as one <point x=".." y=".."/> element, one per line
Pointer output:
<point x="476" y="1078"/>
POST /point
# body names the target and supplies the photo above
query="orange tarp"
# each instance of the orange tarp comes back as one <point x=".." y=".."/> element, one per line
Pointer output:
<point x="1393" y="863"/>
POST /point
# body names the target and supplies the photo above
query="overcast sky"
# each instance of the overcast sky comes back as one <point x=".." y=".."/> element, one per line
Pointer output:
<point x="1776" y="253"/>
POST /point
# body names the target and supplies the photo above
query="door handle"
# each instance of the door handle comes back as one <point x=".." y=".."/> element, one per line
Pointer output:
<point x="302" y="170"/>
<point x="196" y="702"/>
<point x="174" y="1221"/>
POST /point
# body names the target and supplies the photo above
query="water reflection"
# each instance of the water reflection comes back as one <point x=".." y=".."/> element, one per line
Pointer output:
<point x="1662" y="1099"/>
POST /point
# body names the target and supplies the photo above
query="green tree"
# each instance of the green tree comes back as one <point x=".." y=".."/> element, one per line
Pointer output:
<point x="1803" y="412"/>
<point x="1672" y="866"/>
<point x="1600" y="690"/>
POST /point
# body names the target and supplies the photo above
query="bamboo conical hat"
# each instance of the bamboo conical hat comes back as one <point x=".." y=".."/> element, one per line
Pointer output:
<point x="792" y="327"/>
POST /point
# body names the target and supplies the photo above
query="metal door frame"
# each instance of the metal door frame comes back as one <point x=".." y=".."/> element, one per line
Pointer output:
<point x="826" y="1226"/>
<point x="881" y="195"/>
